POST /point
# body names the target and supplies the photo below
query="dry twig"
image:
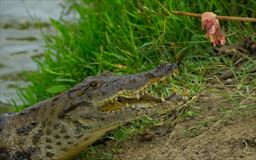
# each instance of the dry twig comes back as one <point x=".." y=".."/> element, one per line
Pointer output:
<point x="228" y="18"/>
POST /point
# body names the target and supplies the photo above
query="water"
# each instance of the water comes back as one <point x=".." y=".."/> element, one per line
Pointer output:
<point x="21" y="40"/>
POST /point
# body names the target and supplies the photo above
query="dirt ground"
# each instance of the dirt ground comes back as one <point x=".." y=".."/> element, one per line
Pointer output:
<point x="215" y="130"/>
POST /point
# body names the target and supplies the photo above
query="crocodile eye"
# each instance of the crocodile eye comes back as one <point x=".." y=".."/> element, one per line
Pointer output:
<point x="94" y="84"/>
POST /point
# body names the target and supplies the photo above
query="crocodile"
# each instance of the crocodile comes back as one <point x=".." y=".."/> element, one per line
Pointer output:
<point x="61" y="127"/>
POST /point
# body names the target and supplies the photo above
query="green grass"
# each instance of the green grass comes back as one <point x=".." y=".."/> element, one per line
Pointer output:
<point x="130" y="37"/>
<point x="133" y="36"/>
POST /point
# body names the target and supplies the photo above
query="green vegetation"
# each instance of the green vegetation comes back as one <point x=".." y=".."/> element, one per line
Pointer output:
<point x="133" y="36"/>
<point x="130" y="36"/>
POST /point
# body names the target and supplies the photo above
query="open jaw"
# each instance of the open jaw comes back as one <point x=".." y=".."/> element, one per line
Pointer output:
<point x="131" y="92"/>
<point x="141" y="99"/>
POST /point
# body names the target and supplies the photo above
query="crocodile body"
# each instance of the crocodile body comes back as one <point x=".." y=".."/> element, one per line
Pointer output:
<point x="63" y="126"/>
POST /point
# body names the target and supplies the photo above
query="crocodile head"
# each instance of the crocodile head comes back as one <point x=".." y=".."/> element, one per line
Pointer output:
<point x="115" y="99"/>
<point x="107" y="101"/>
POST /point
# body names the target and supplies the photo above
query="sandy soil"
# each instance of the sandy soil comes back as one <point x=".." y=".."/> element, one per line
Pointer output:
<point x="217" y="132"/>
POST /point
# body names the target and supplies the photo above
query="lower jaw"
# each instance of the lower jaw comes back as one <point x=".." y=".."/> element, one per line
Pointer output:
<point x="142" y="105"/>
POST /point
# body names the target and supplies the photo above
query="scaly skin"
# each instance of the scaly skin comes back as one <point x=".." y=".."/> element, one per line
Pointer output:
<point x="63" y="126"/>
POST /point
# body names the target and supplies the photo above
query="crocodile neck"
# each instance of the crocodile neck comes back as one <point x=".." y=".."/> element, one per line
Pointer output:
<point x="51" y="135"/>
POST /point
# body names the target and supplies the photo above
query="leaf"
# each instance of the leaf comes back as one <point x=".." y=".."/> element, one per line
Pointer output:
<point x="56" y="89"/>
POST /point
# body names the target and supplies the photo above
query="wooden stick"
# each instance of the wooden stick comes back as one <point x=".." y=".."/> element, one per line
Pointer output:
<point x="227" y="18"/>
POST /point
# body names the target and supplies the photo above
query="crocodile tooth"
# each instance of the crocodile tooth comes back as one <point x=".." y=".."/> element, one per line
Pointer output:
<point x="137" y="109"/>
<point x="113" y="100"/>
<point x="180" y="103"/>
<point x="133" y="106"/>
<point x="162" y="99"/>
<point x="138" y="96"/>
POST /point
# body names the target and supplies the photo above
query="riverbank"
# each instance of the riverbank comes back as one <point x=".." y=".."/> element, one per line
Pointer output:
<point x="133" y="36"/>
